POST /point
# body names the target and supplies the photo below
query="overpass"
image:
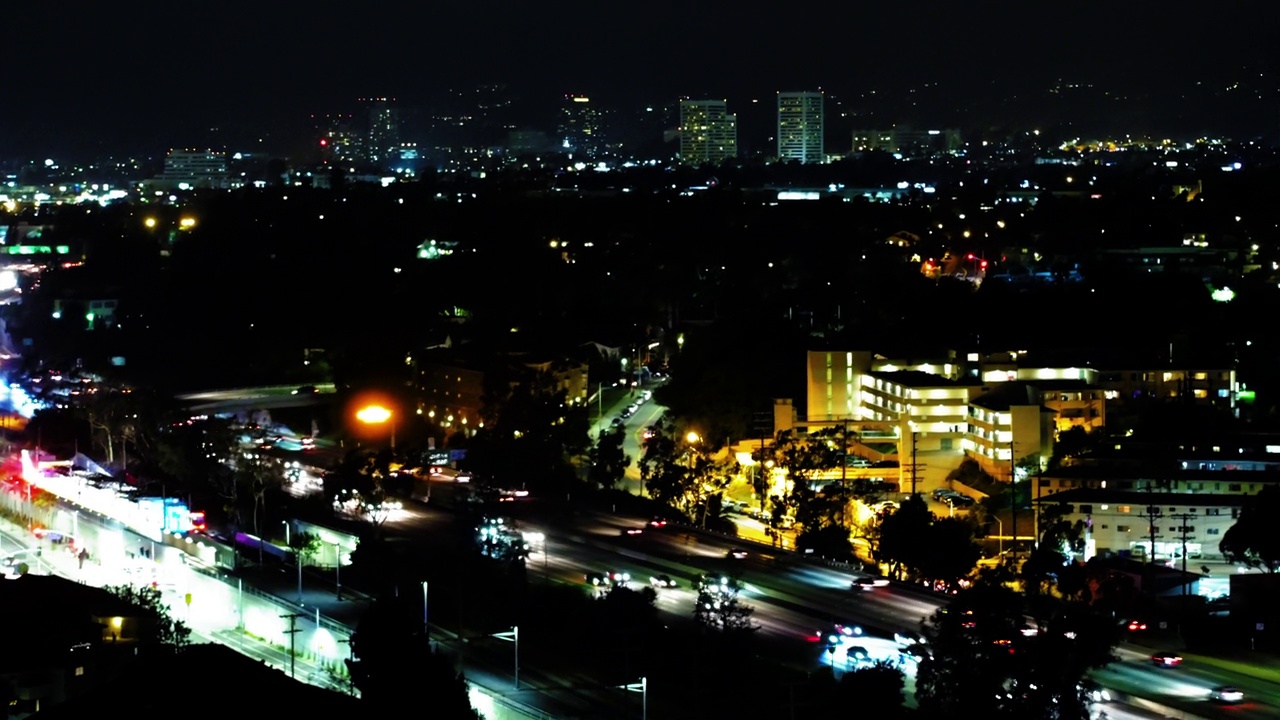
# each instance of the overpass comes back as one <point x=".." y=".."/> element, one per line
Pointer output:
<point x="264" y="397"/>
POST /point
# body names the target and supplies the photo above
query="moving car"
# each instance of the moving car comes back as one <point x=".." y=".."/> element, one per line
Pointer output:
<point x="632" y="531"/>
<point x="662" y="581"/>
<point x="1166" y="659"/>
<point x="736" y="553"/>
<point x="1226" y="694"/>
<point x="869" y="583"/>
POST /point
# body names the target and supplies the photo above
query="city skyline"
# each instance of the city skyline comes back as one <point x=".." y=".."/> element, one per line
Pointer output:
<point x="141" y="84"/>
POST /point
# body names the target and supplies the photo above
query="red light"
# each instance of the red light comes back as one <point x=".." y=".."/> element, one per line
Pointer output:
<point x="970" y="256"/>
<point x="984" y="264"/>
<point x="324" y="142"/>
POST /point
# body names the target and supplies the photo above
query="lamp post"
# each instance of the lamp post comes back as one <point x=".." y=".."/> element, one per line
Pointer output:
<point x="337" y="568"/>
<point x="641" y="687"/>
<point x="513" y="637"/>
<point x="287" y="541"/>
<point x="377" y="415"/>
<point x="1000" y="537"/>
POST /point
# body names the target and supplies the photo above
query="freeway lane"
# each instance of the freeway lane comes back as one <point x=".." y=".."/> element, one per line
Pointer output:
<point x="793" y="599"/>
<point x="1186" y="688"/>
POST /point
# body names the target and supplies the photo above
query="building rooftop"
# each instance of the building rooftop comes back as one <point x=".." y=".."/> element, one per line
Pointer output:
<point x="1143" y="499"/>
<point x="209" y="680"/>
<point x="917" y="379"/>
<point x="1002" y="396"/>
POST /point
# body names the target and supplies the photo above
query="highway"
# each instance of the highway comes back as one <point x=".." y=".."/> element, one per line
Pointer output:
<point x="795" y="600"/>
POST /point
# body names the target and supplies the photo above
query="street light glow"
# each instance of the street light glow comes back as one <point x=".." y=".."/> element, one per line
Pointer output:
<point x="692" y="437"/>
<point x="373" y="415"/>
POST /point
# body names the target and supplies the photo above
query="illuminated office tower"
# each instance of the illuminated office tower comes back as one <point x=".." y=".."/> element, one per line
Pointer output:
<point x="579" y="129"/>
<point x="384" y="129"/>
<point x="800" y="127"/>
<point x="708" y="132"/>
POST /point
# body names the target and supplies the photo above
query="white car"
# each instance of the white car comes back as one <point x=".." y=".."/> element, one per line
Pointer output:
<point x="870" y="583"/>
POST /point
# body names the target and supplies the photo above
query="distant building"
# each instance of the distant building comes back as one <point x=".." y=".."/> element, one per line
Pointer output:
<point x="452" y="384"/>
<point x="800" y="127"/>
<point x="339" y="140"/>
<point x="580" y="127"/>
<point x="1123" y="522"/>
<point x="529" y="142"/>
<point x="708" y="132"/>
<point x="908" y="142"/>
<point x="193" y="170"/>
<point x="383" y="145"/>
<point x="1009" y="424"/>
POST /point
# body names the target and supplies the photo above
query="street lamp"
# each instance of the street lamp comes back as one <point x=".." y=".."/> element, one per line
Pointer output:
<point x="641" y="687"/>
<point x="513" y="637"/>
<point x="1000" y="537"/>
<point x="286" y="533"/>
<point x="337" y="568"/>
<point x="377" y="415"/>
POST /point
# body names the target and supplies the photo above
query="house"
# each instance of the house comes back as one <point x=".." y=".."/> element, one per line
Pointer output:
<point x="61" y="639"/>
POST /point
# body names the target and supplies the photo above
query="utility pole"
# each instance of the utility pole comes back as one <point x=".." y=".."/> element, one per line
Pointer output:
<point x="1013" y="493"/>
<point x="292" y="633"/>
<point x="916" y="467"/>
<point x="1153" y="511"/>
<point x="1183" y="531"/>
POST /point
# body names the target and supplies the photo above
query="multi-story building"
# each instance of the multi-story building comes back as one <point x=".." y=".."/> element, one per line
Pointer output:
<point x="193" y="169"/>
<point x="383" y="143"/>
<point x="579" y="129"/>
<point x="1130" y="523"/>
<point x="907" y="142"/>
<point x="708" y="132"/>
<point x="1205" y="385"/>
<point x="800" y="127"/>
<point x="338" y="139"/>
<point x="1007" y="425"/>
<point x="452" y="385"/>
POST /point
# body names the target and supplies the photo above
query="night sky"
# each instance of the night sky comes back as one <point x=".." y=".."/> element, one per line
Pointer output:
<point x="136" y="75"/>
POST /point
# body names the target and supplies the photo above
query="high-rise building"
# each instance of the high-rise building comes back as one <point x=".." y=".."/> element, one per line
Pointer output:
<point x="708" y="132"/>
<point x="579" y="128"/>
<point x="800" y="127"/>
<point x="338" y="139"/>
<point x="384" y="130"/>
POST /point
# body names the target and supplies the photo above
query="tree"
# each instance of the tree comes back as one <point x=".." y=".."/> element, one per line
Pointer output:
<point x="904" y="536"/>
<point x="1072" y="443"/>
<point x="257" y="475"/>
<point x="608" y="461"/>
<point x="952" y="553"/>
<point x="719" y="608"/>
<point x="394" y="665"/>
<point x="984" y="660"/>
<point x="1051" y="566"/>
<point x="878" y="690"/>
<point x="803" y="458"/>
<point x="306" y="546"/>
<point x="158" y="626"/>
<point x="530" y="433"/>
<point x="359" y="483"/>
<point x="684" y="473"/>
<point x="1251" y="540"/>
